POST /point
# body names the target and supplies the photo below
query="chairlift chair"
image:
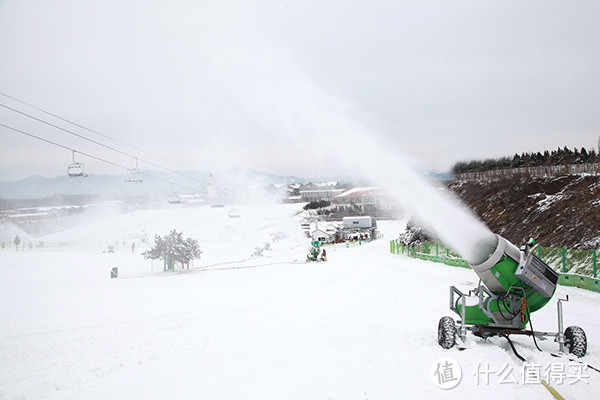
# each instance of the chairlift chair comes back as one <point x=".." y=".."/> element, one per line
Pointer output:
<point x="174" y="199"/>
<point x="134" y="175"/>
<point x="76" y="169"/>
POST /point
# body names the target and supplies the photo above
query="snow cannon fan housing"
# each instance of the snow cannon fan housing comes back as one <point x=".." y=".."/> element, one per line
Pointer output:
<point x="510" y="275"/>
<point x="507" y="262"/>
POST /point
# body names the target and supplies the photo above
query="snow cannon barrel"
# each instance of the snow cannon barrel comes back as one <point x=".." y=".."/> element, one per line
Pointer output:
<point x="503" y="269"/>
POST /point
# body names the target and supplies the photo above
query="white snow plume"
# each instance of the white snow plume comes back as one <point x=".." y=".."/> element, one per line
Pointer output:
<point x="327" y="136"/>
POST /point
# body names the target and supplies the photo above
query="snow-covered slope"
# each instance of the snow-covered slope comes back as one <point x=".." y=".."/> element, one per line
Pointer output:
<point x="221" y="238"/>
<point x="362" y="325"/>
<point x="8" y="232"/>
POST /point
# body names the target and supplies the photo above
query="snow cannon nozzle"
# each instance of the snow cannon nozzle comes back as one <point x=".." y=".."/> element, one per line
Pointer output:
<point x="482" y="250"/>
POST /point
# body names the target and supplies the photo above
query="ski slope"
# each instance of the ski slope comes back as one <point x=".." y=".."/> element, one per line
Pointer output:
<point x="362" y="325"/>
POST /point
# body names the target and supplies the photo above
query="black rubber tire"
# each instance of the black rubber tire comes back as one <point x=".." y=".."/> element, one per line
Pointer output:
<point x="576" y="341"/>
<point x="446" y="332"/>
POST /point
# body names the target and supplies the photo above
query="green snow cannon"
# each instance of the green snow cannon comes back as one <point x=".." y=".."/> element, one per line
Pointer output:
<point x="513" y="284"/>
<point x="313" y="253"/>
<point x="517" y="283"/>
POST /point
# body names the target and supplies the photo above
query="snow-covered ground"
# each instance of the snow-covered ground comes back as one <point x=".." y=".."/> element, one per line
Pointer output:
<point x="362" y="325"/>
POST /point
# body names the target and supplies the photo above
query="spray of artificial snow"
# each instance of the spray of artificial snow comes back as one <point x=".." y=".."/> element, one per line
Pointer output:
<point x="435" y="209"/>
<point x="323" y="132"/>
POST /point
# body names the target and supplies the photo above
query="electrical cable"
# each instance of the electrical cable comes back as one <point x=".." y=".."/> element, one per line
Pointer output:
<point x="577" y="361"/>
<point x="552" y="354"/>
<point x="512" y="346"/>
<point x="502" y="298"/>
<point x="92" y="156"/>
<point x="99" y="143"/>
<point x="531" y="326"/>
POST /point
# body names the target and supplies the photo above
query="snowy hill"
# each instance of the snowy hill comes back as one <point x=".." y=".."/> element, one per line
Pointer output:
<point x="362" y="325"/>
<point x="559" y="211"/>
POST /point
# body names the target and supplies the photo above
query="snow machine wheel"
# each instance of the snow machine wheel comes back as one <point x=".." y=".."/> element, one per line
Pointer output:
<point x="446" y="332"/>
<point x="576" y="341"/>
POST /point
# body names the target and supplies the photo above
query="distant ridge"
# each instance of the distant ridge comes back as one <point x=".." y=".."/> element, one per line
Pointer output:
<point x="114" y="185"/>
<point x="37" y="187"/>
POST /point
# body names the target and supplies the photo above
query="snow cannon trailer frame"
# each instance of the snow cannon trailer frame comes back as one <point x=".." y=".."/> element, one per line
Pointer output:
<point x="513" y="284"/>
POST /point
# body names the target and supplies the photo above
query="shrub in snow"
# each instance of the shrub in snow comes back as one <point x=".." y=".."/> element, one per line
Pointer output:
<point x="258" y="252"/>
<point x="174" y="247"/>
<point x="415" y="234"/>
<point x="313" y="205"/>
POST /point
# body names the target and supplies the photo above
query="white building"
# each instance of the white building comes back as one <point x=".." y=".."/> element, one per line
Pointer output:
<point x="321" y="191"/>
<point x="324" y="231"/>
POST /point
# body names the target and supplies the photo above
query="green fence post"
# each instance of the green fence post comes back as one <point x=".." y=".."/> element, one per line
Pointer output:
<point x="437" y="249"/>
<point x="426" y="247"/>
<point x="540" y="251"/>
<point x="594" y="258"/>
<point x="564" y="260"/>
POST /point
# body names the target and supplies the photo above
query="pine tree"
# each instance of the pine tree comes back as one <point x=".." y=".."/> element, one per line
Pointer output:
<point x="584" y="155"/>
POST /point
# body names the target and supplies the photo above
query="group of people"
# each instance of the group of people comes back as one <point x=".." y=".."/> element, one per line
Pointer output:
<point x="317" y="254"/>
<point x="362" y="236"/>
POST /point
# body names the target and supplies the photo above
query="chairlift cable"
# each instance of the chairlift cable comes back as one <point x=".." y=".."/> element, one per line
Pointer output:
<point x="93" y="157"/>
<point x="91" y="130"/>
<point x="99" y="143"/>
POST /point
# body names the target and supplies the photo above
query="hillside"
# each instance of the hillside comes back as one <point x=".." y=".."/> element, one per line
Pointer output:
<point x="558" y="211"/>
<point x="236" y="327"/>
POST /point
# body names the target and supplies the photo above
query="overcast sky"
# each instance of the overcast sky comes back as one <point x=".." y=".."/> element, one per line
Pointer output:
<point x="260" y="84"/>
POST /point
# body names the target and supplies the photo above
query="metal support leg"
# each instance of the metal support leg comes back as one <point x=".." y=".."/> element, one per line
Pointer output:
<point x="462" y="329"/>
<point x="463" y="326"/>
<point x="560" y="336"/>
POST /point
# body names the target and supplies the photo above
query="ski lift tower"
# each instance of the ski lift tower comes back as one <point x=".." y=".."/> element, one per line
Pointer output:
<point x="211" y="187"/>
